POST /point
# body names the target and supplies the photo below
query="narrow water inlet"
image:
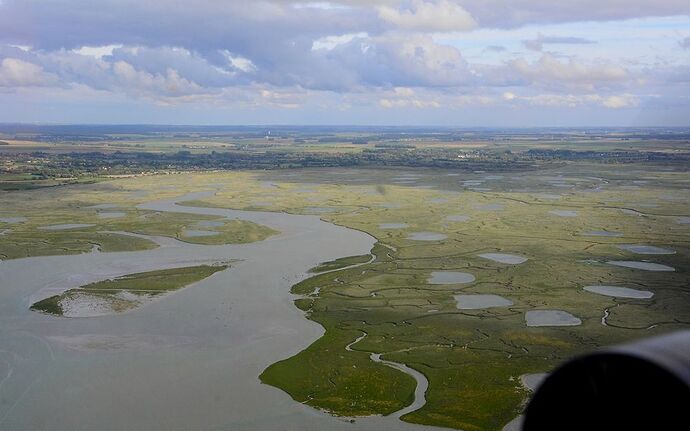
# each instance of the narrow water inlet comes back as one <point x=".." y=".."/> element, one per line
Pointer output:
<point x="422" y="383"/>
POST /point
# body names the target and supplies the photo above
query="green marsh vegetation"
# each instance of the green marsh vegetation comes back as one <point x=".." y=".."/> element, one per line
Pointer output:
<point x="341" y="263"/>
<point x="81" y="205"/>
<point x="472" y="358"/>
<point x="129" y="291"/>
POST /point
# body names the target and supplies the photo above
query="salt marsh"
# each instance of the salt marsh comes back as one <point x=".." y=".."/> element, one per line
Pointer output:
<point x="536" y="318"/>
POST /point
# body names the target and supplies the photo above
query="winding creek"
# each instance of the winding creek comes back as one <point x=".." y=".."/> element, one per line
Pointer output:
<point x="422" y="382"/>
<point x="189" y="361"/>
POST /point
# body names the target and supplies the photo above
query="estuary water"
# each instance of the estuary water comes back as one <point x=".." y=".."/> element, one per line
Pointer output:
<point x="189" y="361"/>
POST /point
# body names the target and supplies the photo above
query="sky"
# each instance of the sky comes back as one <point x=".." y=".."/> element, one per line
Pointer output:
<point x="466" y="63"/>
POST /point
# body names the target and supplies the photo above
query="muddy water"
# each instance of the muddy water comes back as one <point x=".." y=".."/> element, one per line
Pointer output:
<point x="190" y="361"/>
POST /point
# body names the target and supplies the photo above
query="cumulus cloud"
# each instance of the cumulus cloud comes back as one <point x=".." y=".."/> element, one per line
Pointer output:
<point x="330" y="42"/>
<point x="412" y="54"/>
<point x="97" y="51"/>
<point x="575" y="100"/>
<point x="402" y="97"/>
<point x="168" y="84"/>
<point x="418" y="60"/>
<point x="537" y="44"/>
<point x="622" y="101"/>
<point x="18" y="73"/>
<point x="550" y="72"/>
<point x="433" y="16"/>
<point x="517" y="13"/>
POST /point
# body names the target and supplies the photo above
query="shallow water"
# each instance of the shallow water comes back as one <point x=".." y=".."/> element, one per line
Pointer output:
<point x="602" y="233"/>
<point x="532" y="381"/>
<point x="619" y="292"/>
<point x="551" y="318"/>
<point x="189" y="361"/>
<point x="509" y="259"/>
<point x="13" y="220"/>
<point x="393" y="225"/>
<point x="477" y="302"/>
<point x="514" y="425"/>
<point x="199" y="233"/>
<point x="458" y="218"/>
<point x="422" y="382"/>
<point x="427" y="236"/>
<point x="210" y="223"/>
<point x="564" y="213"/>
<point x="450" y="277"/>
<point x="645" y="266"/>
<point x="66" y="226"/>
<point x="645" y="249"/>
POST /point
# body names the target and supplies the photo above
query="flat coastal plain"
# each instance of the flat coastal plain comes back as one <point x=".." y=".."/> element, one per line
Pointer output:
<point x="338" y="281"/>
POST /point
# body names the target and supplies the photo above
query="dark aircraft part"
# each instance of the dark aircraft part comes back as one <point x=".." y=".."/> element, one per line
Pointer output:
<point x="639" y="386"/>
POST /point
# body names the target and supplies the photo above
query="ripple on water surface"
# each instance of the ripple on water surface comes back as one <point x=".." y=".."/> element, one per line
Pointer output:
<point x="450" y="277"/>
<point x="551" y="318"/>
<point x="619" y="292"/>
<point x="478" y="302"/>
